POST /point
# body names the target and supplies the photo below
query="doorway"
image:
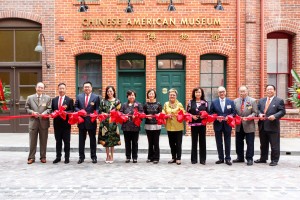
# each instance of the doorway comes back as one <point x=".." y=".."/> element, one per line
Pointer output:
<point x="21" y="82"/>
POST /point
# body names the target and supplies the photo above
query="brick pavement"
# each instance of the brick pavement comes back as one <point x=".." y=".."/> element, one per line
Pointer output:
<point x="146" y="181"/>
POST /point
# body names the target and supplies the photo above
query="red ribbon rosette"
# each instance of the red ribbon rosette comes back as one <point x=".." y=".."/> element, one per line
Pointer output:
<point x="137" y="117"/>
<point x="212" y="118"/>
<point x="238" y="120"/>
<point x="161" y="118"/>
<point x="203" y="116"/>
<point x="231" y="121"/>
<point x="184" y="117"/>
<point x="117" y="117"/>
<point x="102" y="117"/>
<point x="94" y="116"/>
<point x="76" y="117"/>
<point x="61" y="112"/>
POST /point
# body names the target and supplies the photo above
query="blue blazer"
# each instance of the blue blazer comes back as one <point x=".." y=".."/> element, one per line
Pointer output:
<point x="92" y="106"/>
<point x="215" y="108"/>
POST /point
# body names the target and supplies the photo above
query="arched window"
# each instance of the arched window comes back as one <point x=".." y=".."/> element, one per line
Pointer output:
<point x="212" y="74"/>
<point x="279" y="62"/>
<point x="89" y="68"/>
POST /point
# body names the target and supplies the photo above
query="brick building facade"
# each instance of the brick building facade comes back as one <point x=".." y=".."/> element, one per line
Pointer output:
<point x="152" y="47"/>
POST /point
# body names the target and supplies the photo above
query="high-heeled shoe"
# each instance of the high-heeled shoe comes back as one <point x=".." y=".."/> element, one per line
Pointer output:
<point x="178" y="162"/>
<point x="172" y="161"/>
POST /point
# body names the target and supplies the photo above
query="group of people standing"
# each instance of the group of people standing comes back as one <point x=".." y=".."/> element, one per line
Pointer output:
<point x="269" y="110"/>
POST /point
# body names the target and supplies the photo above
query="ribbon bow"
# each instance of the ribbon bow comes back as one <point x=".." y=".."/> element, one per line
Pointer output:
<point x="117" y="117"/>
<point x="161" y="118"/>
<point x="137" y="117"/>
<point x="184" y="117"/>
<point x="76" y="117"/>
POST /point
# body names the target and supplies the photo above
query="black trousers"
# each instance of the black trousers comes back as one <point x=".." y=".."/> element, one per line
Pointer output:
<point x="198" y="132"/>
<point x="273" y="138"/>
<point x="175" y="142"/>
<point x="131" y="144"/>
<point x="62" y="135"/>
<point x="227" y="141"/>
<point x="82" y="138"/>
<point x="153" y="144"/>
<point x="239" y="144"/>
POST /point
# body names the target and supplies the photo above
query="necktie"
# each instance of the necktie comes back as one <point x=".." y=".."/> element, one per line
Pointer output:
<point x="59" y="102"/>
<point x="242" y="105"/>
<point x="222" y="105"/>
<point x="86" y="100"/>
<point x="267" y="105"/>
<point x="38" y="100"/>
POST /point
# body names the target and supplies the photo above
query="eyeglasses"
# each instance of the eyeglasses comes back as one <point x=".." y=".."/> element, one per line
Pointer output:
<point x="221" y="91"/>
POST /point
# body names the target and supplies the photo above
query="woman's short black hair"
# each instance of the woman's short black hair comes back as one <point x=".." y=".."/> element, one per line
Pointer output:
<point x="151" y="91"/>
<point x="129" y="92"/>
<point x="107" y="88"/>
<point x="194" y="92"/>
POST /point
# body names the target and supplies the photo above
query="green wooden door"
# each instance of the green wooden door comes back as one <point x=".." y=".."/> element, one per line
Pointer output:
<point x="134" y="81"/>
<point x="166" y="80"/>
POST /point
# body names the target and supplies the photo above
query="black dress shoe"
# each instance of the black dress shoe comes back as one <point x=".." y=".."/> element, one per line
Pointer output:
<point x="127" y="161"/>
<point x="134" y="161"/>
<point x="80" y="161"/>
<point x="238" y="161"/>
<point x="219" y="161"/>
<point x="149" y="160"/>
<point x="94" y="160"/>
<point x="260" y="161"/>
<point x="250" y="162"/>
<point x="67" y="160"/>
<point x="172" y="161"/>
<point x="56" y="160"/>
<point x="202" y="162"/>
<point x="155" y="161"/>
<point x="228" y="162"/>
<point x="273" y="163"/>
<point x="193" y="162"/>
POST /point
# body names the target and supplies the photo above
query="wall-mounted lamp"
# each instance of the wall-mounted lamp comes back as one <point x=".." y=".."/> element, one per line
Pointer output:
<point x="39" y="48"/>
<point x="171" y="7"/>
<point x="219" y="5"/>
<point x="83" y="7"/>
<point x="129" y="8"/>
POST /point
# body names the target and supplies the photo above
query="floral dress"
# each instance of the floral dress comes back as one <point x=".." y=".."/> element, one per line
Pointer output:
<point x="109" y="135"/>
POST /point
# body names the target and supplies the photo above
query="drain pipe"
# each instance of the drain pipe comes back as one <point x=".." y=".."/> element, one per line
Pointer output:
<point x="262" y="49"/>
<point x="238" y="46"/>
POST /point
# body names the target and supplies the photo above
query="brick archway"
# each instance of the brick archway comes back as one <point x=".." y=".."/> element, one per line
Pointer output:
<point x="218" y="48"/>
<point x="288" y="26"/>
<point x="87" y="47"/>
<point x="167" y="47"/>
<point x="21" y="15"/>
<point x="129" y="47"/>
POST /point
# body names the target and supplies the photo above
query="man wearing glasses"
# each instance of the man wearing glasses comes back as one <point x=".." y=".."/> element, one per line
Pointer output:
<point x="223" y="107"/>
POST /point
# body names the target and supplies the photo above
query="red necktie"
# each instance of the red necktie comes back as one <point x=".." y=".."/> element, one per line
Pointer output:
<point x="242" y="105"/>
<point x="59" y="102"/>
<point x="86" y="100"/>
<point x="267" y="105"/>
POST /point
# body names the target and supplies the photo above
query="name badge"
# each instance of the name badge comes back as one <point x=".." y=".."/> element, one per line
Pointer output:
<point x="228" y="106"/>
<point x="249" y="107"/>
<point x="44" y="104"/>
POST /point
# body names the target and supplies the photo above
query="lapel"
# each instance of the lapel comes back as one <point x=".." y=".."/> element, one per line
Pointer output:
<point x="35" y="100"/>
<point x="219" y="105"/>
<point x="263" y="105"/>
<point x="238" y="105"/>
<point x="271" y="104"/>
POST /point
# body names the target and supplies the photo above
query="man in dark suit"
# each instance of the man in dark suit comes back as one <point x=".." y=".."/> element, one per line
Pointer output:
<point x="245" y="106"/>
<point x="270" y="109"/>
<point x="90" y="103"/>
<point x="37" y="105"/>
<point x="62" y="129"/>
<point x="222" y="106"/>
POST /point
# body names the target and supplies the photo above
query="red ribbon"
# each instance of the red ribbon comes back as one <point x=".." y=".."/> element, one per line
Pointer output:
<point x="184" y="117"/>
<point x="102" y="116"/>
<point x="137" y="117"/>
<point x="117" y="117"/>
<point x="161" y="118"/>
<point x="61" y="112"/>
<point x="76" y="117"/>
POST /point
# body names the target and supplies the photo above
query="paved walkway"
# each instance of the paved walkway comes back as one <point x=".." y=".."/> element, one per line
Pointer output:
<point x="20" y="142"/>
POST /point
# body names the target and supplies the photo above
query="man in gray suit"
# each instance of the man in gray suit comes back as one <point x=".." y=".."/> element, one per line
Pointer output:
<point x="270" y="110"/>
<point x="245" y="106"/>
<point x="37" y="105"/>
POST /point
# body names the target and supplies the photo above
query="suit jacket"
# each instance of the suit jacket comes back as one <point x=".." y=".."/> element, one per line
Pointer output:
<point x="43" y="107"/>
<point x="215" y="108"/>
<point x="250" y="110"/>
<point x="92" y="106"/>
<point x="58" y="122"/>
<point x="275" y="108"/>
